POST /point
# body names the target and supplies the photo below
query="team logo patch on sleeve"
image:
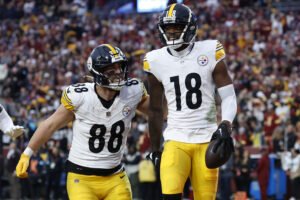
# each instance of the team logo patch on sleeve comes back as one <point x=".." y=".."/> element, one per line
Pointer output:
<point x="126" y="111"/>
<point x="202" y="60"/>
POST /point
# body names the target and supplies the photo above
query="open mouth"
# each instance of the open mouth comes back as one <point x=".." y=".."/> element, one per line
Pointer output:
<point x="116" y="78"/>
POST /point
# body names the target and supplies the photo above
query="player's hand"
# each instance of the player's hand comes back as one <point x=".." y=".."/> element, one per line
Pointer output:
<point x="155" y="158"/>
<point x="15" y="131"/>
<point x="22" y="166"/>
<point x="224" y="139"/>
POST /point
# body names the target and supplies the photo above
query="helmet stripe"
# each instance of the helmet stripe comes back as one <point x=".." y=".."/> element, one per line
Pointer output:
<point x="171" y="10"/>
<point x="112" y="49"/>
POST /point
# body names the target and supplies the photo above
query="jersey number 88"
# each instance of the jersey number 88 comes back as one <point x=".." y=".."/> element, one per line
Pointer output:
<point x="116" y="134"/>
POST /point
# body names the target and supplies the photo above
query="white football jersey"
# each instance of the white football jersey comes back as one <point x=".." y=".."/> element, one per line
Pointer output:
<point x="100" y="134"/>
<point x="189" y="89"/>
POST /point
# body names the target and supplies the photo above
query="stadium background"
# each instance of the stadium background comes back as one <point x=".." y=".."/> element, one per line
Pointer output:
<point x="44" y="48"/>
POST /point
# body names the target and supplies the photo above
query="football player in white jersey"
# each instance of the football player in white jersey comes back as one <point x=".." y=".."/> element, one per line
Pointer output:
<point x="187" y="73"/>
<point x="101" y="113"/>
<point x="7" y="125"/>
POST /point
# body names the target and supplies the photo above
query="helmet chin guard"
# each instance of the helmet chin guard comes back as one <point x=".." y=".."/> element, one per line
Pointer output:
<point x="118" y="84"/>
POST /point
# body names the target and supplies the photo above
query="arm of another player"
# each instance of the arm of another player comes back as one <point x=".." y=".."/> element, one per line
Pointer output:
<point x="156" y="112"/>
<point x="143" y="107"/>
<point x="57" y="120"/>
<point x="7" y="126"/>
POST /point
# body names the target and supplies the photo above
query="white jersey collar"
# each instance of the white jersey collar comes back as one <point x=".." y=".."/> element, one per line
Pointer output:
<point x="182" y="53"/>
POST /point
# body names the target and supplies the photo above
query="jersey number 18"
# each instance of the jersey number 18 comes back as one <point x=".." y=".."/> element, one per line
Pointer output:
<point x="192" y="89"/>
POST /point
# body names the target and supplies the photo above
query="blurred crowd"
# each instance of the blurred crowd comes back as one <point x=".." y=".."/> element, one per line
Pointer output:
<point x="44" y="48"/>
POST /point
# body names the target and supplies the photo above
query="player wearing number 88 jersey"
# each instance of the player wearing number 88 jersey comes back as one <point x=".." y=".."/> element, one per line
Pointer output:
<point x="99" y="132"/>
<point x="101" y="113"/>
<point x="187" y="73"/>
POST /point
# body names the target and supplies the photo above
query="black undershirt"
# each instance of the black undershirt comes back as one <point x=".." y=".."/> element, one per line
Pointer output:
<point x="106" y="104"/>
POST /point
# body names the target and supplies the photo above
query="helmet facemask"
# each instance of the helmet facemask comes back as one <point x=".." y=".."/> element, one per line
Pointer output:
<point x="183" y="20"/>
<point x="110" y="79"/>
<point x="173" y="34"/>
<point x="109" y="67"/>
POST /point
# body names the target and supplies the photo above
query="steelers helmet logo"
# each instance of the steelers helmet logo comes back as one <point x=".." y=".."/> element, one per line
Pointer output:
<point x="202" y="60"/>
<point x="89" y="63"/>
<point x="126" y="111"/>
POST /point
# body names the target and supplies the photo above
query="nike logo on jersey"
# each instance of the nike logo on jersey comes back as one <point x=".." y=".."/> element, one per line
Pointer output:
<point x="122" y="176"/>
<point x="76" y="181"/>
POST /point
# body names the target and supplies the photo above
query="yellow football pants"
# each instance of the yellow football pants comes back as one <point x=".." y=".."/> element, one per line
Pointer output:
<point x="180" y="160"/>
<point x="90" y="187"/>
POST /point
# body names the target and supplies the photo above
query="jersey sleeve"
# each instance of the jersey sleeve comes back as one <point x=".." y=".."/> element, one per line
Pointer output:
<point x="144" y="92"/>
<point x="146" y="65"/>
<point x="217" y="53"/>
<point x="220" y="52"/>
<point x="69" y="98"/>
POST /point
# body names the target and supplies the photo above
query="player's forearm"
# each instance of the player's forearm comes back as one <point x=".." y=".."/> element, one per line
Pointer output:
<point x="155" y="128"/>
<point x="57" y="120"/>
<point x="229" y="103"/>
<point x="143" y="106"/>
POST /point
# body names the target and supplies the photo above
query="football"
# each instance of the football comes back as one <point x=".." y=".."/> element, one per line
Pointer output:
<point x="215" y="160"/>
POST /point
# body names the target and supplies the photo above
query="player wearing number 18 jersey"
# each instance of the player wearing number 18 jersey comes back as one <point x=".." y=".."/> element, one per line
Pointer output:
<point x="187" y="73"/>
<point x="101" y="113"/>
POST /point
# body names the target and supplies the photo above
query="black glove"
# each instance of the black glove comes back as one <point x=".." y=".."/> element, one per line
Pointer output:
<point x="155" y="157"/>
<point x="224" y="140"/>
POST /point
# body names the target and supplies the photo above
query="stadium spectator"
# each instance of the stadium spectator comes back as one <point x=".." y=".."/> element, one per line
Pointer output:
<point x="11" y="161"/>
<point x="291" y="164"/>
<point x="132" y="160"/>
<point x="37" y="176"/>
<point x="278" y="140"/>
<point x="53" y="175"/>
<point x="295" y="173"/>
<point x="147" y="179"/>
<point x="263" y="172"/>
<point x="245" y="167"/>
<point x="225" y="179"/>
<point x="237" y="159"/>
